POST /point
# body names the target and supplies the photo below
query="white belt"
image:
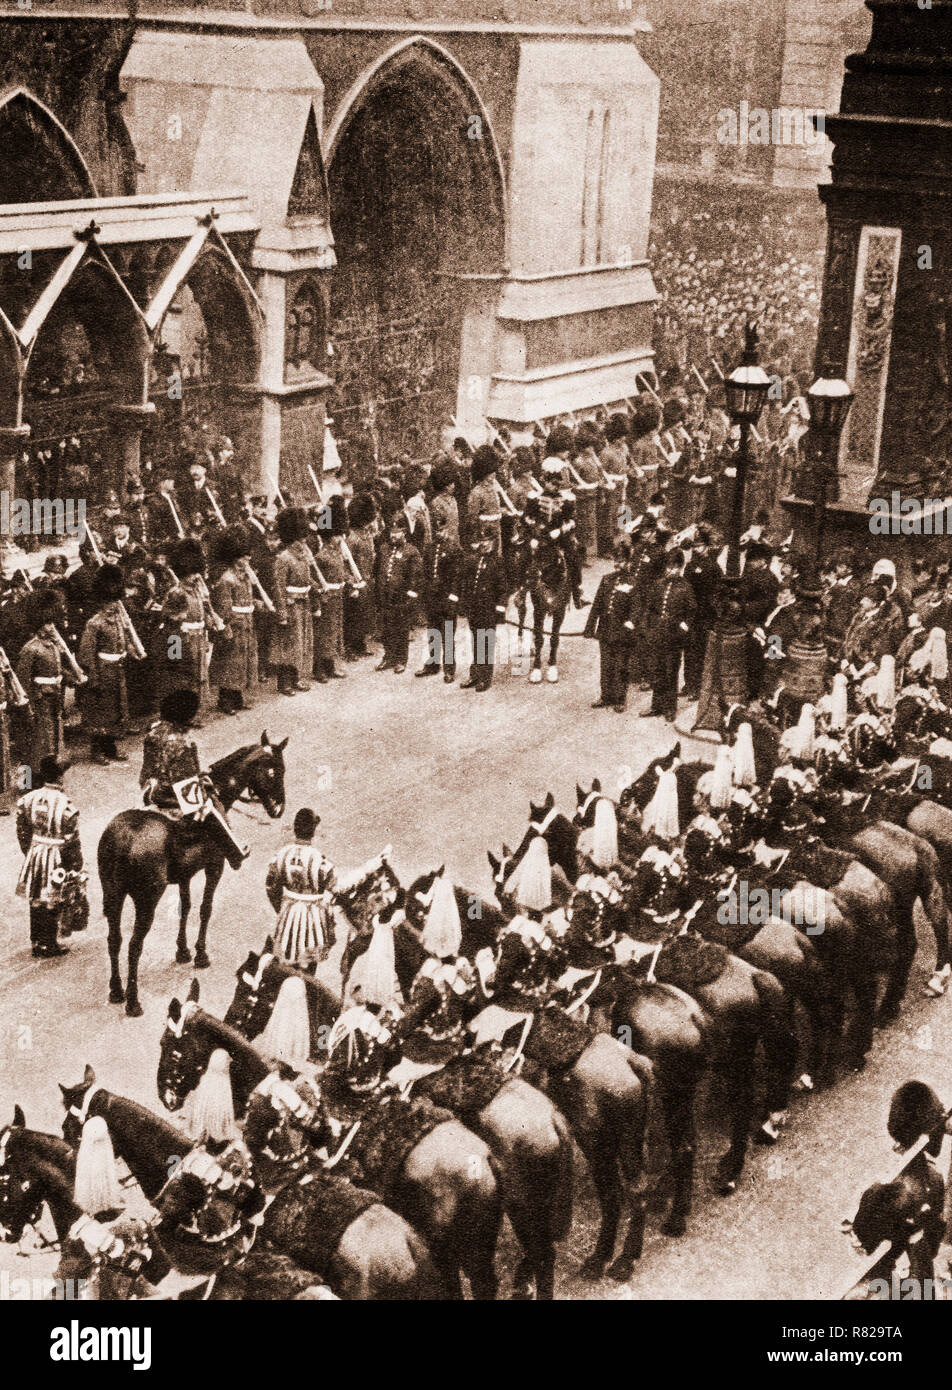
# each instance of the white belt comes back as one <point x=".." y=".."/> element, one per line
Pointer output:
<point x="490" y="516"/>
<point x="57" y="841"/>
<point x="193" y="627"/>
<point x="331" y="588"/>
<point x="302" y="897"/>
<point x="298" y="589"/>
<point x="235" y="608"/>
<point x="111" y="656"/>
<point x="47" y="680"/>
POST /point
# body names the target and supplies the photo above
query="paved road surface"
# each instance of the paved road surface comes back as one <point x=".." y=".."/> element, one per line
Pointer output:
<point x="443" y="774"/>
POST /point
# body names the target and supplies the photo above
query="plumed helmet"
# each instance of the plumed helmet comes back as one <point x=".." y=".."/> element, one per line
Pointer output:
<point x="188" y="558"/>
<point x="561" y="440"/>
<point x="485" y="461"/>
<point x="108" y="584"/>
<point x="180" y="706"/>
<point x="291" y="525"/>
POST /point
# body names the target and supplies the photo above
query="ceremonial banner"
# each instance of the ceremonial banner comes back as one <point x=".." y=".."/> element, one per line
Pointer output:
<point x="867" y="367"/>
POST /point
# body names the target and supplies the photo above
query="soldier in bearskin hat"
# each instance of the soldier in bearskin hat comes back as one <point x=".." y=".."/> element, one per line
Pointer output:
<point x="443" y="500"/>
<point x="360" y="610"/>
<point x="187" y="629"/>
<point x="483" y="507"/>
<point x="104" y="650"/>
<point x="234" y="663"/>
<point x="292" y="643"/>
<point x="329" y="623"/>
<point x="40" y="671"/>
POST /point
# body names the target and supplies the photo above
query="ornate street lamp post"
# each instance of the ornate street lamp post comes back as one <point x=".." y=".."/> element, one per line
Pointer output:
<point x="829" y="400"/>
<point x="745" y="391"/>
<point x="725" y="679"/>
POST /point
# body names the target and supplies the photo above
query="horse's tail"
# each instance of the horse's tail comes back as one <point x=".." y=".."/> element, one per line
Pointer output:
<point x="562" y="1199"/>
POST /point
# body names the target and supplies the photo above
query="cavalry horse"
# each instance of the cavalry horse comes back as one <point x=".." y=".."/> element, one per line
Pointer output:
<point x="37" y="1172"/>
<point x="744" y="1007"/>
<point x="141" y="852"/>
<point x="524" y="1130"/>
<point x="603" y="1095"/>
<point x="447" y="1187"/>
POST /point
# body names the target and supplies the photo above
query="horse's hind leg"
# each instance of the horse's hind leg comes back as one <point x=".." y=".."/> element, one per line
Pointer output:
<point x="905" y="954"/>
<point x="212" y="879"/>
<point x="182" y="954"/>
<point x="112" y="902"/>
<point x="738" y="1067"/>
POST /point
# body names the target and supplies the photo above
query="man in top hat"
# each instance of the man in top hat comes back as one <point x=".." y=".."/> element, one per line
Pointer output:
<point x="40" y="671"/>
<point x="482" y="600"/>
<point x="671" y="616"/>
<point x="300" y="887"/>
<point x="104" y="650"/>
<point x="166" y="517"/>
<point x="758" y="587"/>
<point x="705" y="578"/>
<point x="399" y="584"/>
<point x="442" y="579"/>
<point x="234" y="663"/>
<point x="48" y="835"/>
<point x="169" y="760"/>
<point x="198" y="497"/>
<point x="292" y="633"/>
<point x="612" y="621"/>
<point x="483" y="507"/>
<point x="120" y="549"/>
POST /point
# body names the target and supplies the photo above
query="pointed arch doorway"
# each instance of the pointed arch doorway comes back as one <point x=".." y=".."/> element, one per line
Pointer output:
<point x="417" y="200"/>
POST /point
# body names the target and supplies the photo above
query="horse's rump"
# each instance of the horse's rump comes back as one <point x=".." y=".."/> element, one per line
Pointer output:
<point x="308" y="1218"/>
<point x="556" y="1041"/>
<point x="389" y="1131"/>
<point x="688" y="962"/>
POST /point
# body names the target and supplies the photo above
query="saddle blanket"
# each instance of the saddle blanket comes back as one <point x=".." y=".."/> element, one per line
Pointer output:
<point x="466" y="1085"/>
<point x="308" y="1217"/>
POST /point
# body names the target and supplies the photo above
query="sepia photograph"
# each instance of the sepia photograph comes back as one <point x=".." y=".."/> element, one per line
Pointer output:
<point x="475" y="708"/>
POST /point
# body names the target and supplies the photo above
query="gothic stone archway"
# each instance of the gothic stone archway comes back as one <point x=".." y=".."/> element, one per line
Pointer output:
<point x="416" y="199"/>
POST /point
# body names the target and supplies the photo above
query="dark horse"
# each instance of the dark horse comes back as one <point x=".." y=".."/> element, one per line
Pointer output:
<point x="141" y="852"/>
<point x="36" y="1172"/>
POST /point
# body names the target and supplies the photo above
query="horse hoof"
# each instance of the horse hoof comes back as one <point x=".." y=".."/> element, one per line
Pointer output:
<point x="939" y="983"/>
<point x="621" y="1269"/>
<point x="521" y="1293"/>
<point x="767" y="1134"/>
<point x="888" y="1013"/>
<point x="804" y="1082"/>
<point x="201" y="961"/>
<point x="183" y="956"/>
<point x="674" y="1226"/>
<point x="858" y="1064"/>
<point x="727" y="1187"/>
<point x="134" y="1008"/>
<point x="593" y="1268"/>
<point x="117" y="994"/>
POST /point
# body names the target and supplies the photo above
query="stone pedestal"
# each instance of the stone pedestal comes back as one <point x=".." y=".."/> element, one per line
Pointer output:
<point x="128" y="422"/>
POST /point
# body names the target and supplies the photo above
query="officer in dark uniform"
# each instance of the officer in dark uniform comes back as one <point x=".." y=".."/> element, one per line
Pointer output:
<point x="399" y="581"/>
<point x="441" y="577"/>
<point x="672" y="615"/>
<point x="612" y="621"/>
<point x="483" y="602"/>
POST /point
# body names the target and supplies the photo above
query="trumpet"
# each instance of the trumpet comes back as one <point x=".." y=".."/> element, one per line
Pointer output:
<point x="138" y="650"/>
<point x="16" y="689"/>
<point x="75" y="669"/>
